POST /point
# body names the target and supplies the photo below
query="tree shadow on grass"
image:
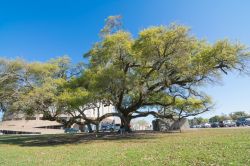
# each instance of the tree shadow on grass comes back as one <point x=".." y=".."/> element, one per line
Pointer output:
<point x="61" y="139"/>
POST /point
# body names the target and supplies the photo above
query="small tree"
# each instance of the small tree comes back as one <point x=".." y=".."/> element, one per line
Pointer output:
<point x="18" y="78"/>
<point x="36" y="86"/>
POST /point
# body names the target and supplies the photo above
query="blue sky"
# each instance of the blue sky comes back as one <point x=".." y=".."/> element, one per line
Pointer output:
<point x="43" y="29"/>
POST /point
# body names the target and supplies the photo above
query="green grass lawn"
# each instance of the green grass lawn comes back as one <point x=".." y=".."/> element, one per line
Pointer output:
<point x="198" y="147"/>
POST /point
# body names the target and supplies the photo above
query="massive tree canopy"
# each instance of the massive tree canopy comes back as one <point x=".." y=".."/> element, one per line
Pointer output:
<point x="158" y="72"/>
<point x="162" y="67"/>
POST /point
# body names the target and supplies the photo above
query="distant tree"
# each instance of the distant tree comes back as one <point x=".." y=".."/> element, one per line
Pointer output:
<point x="205" y="120"/>
<point x="225" y="117"/>
<point x="201" y="120"/>
<point x="237" y="115"/>
<point x="198" y="121"/>
<point x="215" y="118"/>
<point x="191" y="122"/>
<point x="218" y="118"/>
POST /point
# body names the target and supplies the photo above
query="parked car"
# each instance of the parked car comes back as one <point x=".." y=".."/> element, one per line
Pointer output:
<point x="206" y="125"/>
<point x="71" y="130"/>
<point x="117" y="127"/>
<point x="241" y="122"/>
<point x="193" y="126"/>
<point x="107" y="127"/>
<point x="198" y="126"/>
<point x="227" y="123"/>
<point x="215" y="125"/>
<point x="222" y="124"/>
<point x="110" y="127"/>
<point x="247" y="122"/>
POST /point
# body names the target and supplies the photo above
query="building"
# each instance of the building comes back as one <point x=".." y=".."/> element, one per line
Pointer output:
<point x="19" y="124"/>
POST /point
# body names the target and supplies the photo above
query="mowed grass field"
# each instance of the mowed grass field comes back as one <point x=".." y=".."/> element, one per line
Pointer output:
<point x="195" y="147"/>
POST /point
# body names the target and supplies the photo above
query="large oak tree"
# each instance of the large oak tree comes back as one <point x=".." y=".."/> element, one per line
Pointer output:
<point x="159" y="72"/>
<point x="162" y="67"/>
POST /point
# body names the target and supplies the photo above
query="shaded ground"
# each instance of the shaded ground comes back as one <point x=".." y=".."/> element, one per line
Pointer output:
<point x="193" y="147"/>
<point x="61" y="139"/>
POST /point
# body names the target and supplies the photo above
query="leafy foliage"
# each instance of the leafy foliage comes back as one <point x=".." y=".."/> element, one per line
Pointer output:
<point x="161" y="68"/>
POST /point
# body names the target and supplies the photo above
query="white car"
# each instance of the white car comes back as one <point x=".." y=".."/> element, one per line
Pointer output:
<point x="206" y="125"/>
<point x="229" y="123"/>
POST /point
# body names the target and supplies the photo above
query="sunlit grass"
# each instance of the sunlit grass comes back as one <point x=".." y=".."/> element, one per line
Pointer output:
<point x="198" y="147"/>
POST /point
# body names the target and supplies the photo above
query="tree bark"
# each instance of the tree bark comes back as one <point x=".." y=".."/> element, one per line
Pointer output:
<point x="89" y="128"/>
<point x="126" y="123"/>
<point x="82" y="127"/>
<point x="97" y="127"/>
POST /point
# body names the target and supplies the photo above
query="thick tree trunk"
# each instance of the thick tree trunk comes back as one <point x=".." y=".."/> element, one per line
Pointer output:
<point x="82" y="127"/>
<point x="126" y="123"/>
<point x="97" y="127"/>
<point x="90" y="128"/>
